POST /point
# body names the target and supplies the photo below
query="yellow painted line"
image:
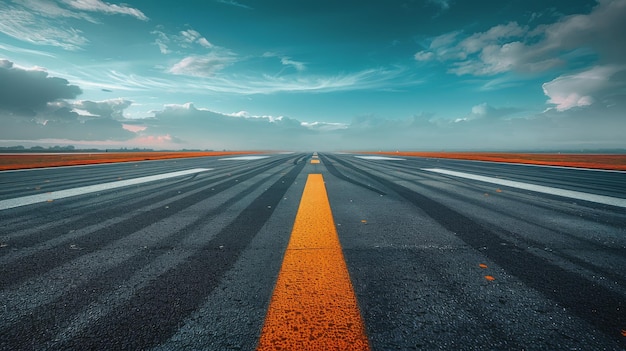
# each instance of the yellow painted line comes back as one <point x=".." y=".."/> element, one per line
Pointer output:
<point x="315" y="161"/>
<point x="313" y="306"/>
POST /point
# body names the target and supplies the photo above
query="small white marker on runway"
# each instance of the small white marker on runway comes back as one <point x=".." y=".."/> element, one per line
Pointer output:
<point x="61" y="194"/>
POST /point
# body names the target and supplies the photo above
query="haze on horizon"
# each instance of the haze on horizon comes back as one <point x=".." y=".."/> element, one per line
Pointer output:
<point x="314" y="75"/>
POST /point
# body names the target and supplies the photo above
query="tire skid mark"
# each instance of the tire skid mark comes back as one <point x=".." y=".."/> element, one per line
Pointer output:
<point x="45" y="321"/>
<point x="588" y="244"/>
<point x="147" y="194"/>
<point x="90" y="242"/>
<point x="50" y="237"/>
<point x="524" y="173"/>
<point x="334" y="171"/>
<point x="155" y="312"/>
<point x="593" y="303"/>
<point x="96" y="211"/>
<point x="590" y="213"/>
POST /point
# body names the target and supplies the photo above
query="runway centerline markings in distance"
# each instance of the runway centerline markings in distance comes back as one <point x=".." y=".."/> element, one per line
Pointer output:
<point x="61" y="194"/>
<point x="601" y="199"/>
<point x="313" y="306"/>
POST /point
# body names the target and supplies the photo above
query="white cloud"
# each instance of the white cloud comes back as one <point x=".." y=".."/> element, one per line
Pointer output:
<point x="182" y="41"/>
<point x="287" y="61"/>
<point x="51" y="9"/>
<point x="113" y="108"/>
<point x="424" y="56"/>
<point x="325" y="126"/>
<point x="584" y="88"/>
<point x="205" y="43"/>
<point x="23" y="25"/>
<point x="104" y="7"/>
<point x="269" y="84"/>
<point x="15" y="49"/>
<point x="512" y="47"/>
<point x="162" y="42"/>
<point x="299" y="66"/>
<point x="191" y="36"/>
<point x="246" y="114"/>
<point x="202" y="66"/>
<point x="45" y="22"/>
<point x="477" y="41"/>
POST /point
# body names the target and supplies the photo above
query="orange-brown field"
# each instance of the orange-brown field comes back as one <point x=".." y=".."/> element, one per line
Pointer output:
<point x="597" y="161"/>
<point x="26" y="160"/>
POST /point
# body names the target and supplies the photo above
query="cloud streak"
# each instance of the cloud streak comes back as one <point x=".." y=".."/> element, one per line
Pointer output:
<point x="234" y="3"/>
<point x="106" y="8"/>
<point x="202" y="66"/>
<point x="46" y="22"/>
<point x="23" y="25"/>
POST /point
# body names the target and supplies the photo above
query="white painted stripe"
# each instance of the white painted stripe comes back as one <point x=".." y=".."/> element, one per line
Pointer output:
<point x="601" y="199"/>
<point x="33" y="199"/>
<point x="243" y="158"/>
<point x="380" y="158"/>
<point x="535" y="165"/>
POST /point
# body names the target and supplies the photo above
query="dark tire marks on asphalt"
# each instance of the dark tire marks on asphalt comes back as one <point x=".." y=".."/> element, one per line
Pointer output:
<point x="599" y="306"/>
<point x="49" y="258"/>
<point x="45" y="322"/>
<point x="155" y="312"/>
<point x="95" y="213"/>
<point x="334" y="171"/>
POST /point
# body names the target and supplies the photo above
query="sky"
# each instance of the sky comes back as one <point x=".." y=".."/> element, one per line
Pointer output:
<point x="323" y="75"/>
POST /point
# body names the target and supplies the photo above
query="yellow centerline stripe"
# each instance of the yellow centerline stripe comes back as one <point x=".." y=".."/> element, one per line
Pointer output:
<point x="315" y="161"/>
<point x="313" y="306"/>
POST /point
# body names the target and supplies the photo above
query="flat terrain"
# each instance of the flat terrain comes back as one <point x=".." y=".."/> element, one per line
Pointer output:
<point x="30" y="160"/>
<point x="185" y="254"/>
<point x="596" y="161"/>
<point x="37" y="160"/>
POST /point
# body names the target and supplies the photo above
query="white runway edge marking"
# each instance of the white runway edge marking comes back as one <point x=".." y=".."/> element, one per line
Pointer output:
<point x="380" y="158"/>
<point x="33" y="199"/>
<point x="601" y="199"/>
<point x="243" y="158"/>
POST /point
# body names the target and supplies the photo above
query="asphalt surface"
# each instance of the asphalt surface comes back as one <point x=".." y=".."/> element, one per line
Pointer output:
<point x="437" y="262"/>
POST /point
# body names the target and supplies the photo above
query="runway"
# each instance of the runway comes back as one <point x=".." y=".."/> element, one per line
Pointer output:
<point x="185" y="254"/>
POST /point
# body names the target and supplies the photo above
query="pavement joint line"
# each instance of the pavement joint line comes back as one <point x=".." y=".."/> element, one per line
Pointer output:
<point x="313" y="306"/>
<point x="601" y="199"/>
<point x="61" y="194"/>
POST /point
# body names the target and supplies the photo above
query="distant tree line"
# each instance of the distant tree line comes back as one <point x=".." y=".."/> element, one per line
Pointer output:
<point x="56" y="148"/>
<point x="68" y="148"/>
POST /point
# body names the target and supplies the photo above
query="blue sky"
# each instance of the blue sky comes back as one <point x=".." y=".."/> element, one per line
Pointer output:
<point x="314" y="75"/>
